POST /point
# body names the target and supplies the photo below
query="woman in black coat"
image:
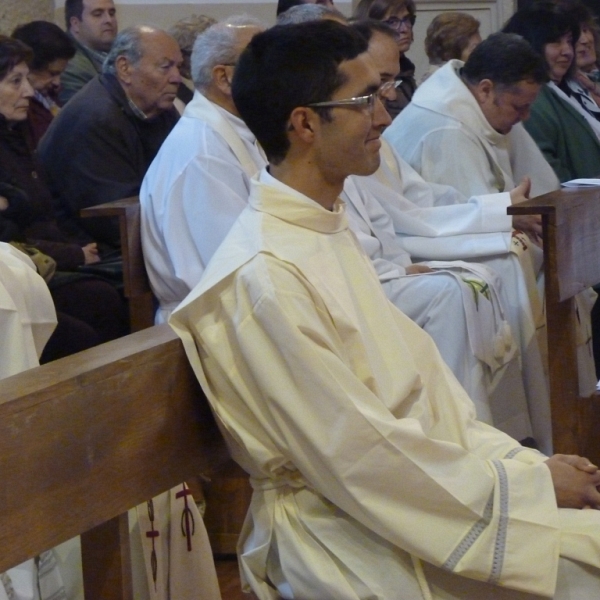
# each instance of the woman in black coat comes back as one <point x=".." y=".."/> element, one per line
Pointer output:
<point x="93" y="311"/>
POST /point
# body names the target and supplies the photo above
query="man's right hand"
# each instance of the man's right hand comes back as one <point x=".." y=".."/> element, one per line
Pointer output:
<point x="521" y="192"/>
<point x="530" y="224"/>
<point x="3" y="203"/>
<point x="90" y="252"/>
<point x="575" y="481"/>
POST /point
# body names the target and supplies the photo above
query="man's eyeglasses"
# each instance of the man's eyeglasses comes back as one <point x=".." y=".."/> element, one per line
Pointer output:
<point x="360" y="101"/>
<point x="396" y="23"/>
<point x="386" y="87"/>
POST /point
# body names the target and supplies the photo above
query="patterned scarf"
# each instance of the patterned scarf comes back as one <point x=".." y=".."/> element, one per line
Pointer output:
<point x="575" y="89"/>
<point x="570" y="99"/>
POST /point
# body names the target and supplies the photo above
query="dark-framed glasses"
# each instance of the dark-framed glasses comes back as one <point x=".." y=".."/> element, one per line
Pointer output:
<point x="397" y="23"/>
<point x="367" y="101"/>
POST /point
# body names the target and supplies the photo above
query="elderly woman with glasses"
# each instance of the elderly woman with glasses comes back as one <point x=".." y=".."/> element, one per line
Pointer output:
<point x="90" y="310"/>
<point x="400" y="15"/>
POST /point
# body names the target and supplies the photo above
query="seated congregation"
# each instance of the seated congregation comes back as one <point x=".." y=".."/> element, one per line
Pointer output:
<point x="332" y="245"/>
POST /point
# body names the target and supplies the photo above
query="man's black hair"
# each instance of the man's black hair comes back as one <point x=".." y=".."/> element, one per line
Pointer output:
<point x="289" y="66"/>
<point x="506" y="59"/>
<point x="48" y="42"/>
<point x="73" y="8"/>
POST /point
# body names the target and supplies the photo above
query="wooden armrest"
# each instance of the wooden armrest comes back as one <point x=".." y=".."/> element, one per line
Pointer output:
<point x="116" y="208"/>
<point x="135" y="278"/>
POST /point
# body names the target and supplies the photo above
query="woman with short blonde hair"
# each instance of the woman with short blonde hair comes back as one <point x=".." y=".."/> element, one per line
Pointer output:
<point x="451" y="35"/>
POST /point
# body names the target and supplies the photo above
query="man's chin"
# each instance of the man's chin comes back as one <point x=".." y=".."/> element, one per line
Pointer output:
<point x="104" y="45"/>
<point x="370" y="166"/>
<point x="505" y="130"/>
<point x="167" y="102"/>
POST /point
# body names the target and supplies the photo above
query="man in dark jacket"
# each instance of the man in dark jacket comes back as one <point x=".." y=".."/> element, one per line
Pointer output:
<point x="99" y="147"/>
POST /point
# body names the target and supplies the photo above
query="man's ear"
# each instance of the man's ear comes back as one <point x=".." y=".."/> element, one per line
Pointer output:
<point x="74" y="25"/>
<point x="123" y="69"/>
<point x="484" y="91"/>
<point x="304" y="122"/>
<point x="222" y="79"/>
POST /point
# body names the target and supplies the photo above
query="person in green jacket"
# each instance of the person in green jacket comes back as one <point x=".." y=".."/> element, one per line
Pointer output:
<point x="564" y="120"/>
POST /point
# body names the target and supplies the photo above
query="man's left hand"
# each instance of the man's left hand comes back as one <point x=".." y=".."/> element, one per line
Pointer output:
<point x="416" y="269"/>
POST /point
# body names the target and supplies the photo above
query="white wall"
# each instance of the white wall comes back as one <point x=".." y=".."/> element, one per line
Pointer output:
<point x="165" y="12"/>
<point x="18" y="12"/>
<point x="491" y="13"/>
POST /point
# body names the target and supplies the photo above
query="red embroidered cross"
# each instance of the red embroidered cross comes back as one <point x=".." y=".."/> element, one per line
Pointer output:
<point x="152" y="534"/>
<point x="186" y="517"/>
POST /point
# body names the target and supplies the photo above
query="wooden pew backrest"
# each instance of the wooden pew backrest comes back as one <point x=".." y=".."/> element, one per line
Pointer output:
<point x="87" y="437"/>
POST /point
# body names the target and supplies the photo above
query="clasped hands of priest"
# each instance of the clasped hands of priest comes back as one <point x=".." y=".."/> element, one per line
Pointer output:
<point x="575" y="481"/>
<point x="529" y="224"/>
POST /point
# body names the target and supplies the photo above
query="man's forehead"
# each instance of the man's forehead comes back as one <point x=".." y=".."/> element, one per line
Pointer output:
<point x="94" y="4"/>
<point x="158" y="45"/>
<point x="385" y="54"/>
<point x="522" y="89"/>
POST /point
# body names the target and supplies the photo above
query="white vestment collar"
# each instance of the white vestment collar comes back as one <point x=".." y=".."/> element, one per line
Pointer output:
<point x="272" y="197"/>
<point x="231" y="128"/>
<point x="266" y="196"/>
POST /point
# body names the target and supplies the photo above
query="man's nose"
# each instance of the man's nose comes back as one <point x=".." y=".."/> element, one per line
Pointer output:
<point x="381" y="117"/>
<point x="175" y="75"/>
<point x="390" y="94"/>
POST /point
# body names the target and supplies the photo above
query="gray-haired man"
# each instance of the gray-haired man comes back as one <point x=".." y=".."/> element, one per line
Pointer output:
<point x="200" y="180"/>
<point x="101" y="144"/>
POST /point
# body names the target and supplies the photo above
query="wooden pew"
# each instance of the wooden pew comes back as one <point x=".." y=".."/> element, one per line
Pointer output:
<point x="87" y="437"/>
<point x="228" y="494"/>
<point x="571" y="224"/>
<point x="135" y="280"/>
